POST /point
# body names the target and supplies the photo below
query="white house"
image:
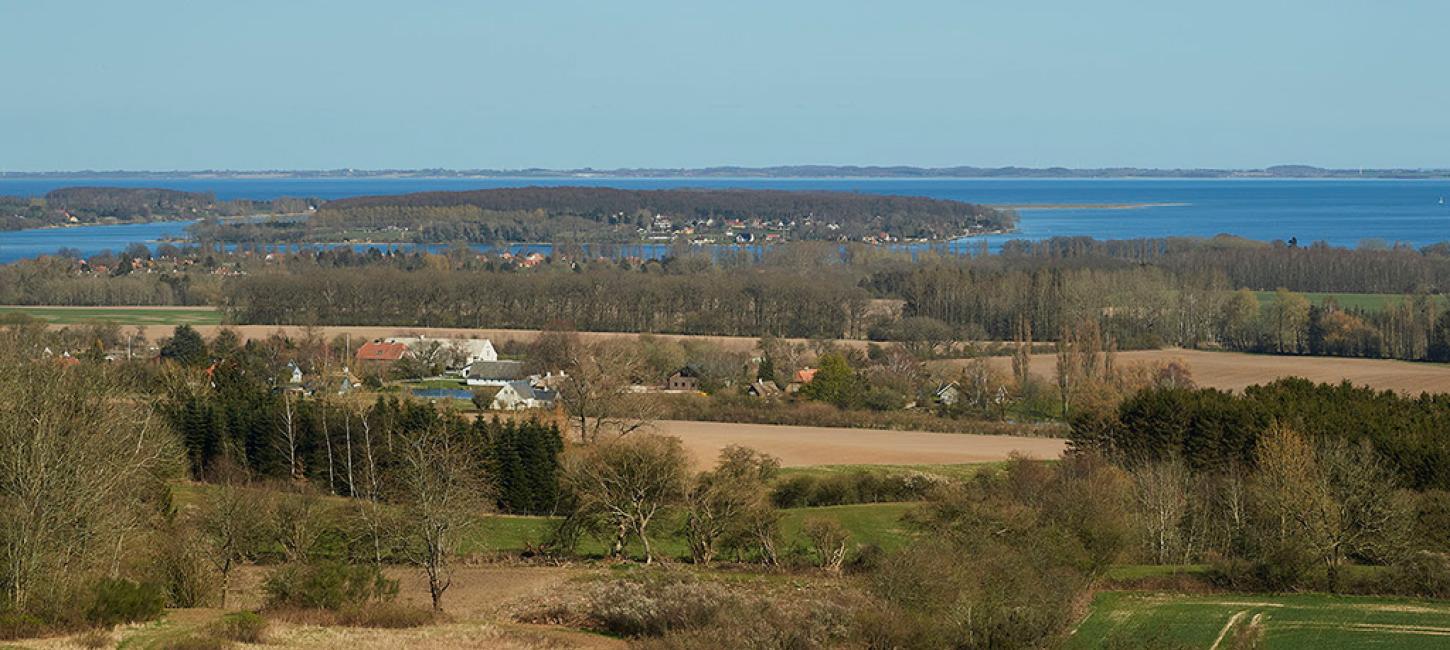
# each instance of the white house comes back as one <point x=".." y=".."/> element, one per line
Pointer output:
<point x="516" y="395"/>
<point x="473" y="349"/>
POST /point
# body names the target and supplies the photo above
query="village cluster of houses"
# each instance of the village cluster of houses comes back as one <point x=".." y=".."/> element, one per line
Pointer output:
<point x="476" y="362"/>
<point x="741" y="231"/>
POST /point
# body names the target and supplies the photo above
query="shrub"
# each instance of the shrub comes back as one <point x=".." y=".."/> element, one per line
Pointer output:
<point x="799" y="621"/>
<point x="242" y="627"/>
<point x="806" y="491"/>
<point x="867" y="558"/>
<point x="124" y="601"/>
<point x="828" y="540"/>
<point x="793" y="492"/>
<point x="836" y="490"/>
<point x="15" y="625"/>
<point x="94" y="639"/>
<point x="385" y="616"/>
<point x="1279" y="570"/>
<point x="181" y="571"/>
<point x="1423" y="574"/>
<point x="883" y="399"/>
<point x="654" y="607"/>
<point x="327" y="584"/>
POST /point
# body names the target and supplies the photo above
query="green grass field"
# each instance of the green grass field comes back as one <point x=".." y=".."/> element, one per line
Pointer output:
<point x="1362" y="301"/>
<point x="120" y="315"/>
<point x="871" y="523"/>
<point x="1141" y="620"/>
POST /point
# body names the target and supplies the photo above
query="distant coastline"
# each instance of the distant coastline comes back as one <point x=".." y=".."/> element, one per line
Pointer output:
<point x="790" y="171"/>
<point x="1087" y="206"/>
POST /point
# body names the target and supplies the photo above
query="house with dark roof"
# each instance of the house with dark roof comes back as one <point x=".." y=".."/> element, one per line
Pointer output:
<point x="518" y="395"/>
<point x="763" y="388"/>
<point x="493" y="373"/>
<point x="684" y="379"/>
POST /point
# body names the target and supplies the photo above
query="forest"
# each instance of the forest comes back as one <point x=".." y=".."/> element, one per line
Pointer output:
<point x="1219" y="293"/>
<point x="598" y="214"/>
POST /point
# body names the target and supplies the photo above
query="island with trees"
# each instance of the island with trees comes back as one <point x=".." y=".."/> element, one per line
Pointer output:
<point x="601" y="214"/>
<point x="73" y="206"/>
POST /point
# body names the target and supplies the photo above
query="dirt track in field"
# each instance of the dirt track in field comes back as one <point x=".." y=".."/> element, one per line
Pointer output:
<point x="803" y="446"/>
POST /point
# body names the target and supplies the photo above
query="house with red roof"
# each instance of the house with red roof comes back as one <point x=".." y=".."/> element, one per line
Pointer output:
<point x="380" y="351"/>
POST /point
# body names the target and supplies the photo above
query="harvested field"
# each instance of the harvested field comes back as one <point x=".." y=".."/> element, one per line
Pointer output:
<point x="498" y="336"/>
<point x="1237" y="370"/>
<point x="804" y="446"/>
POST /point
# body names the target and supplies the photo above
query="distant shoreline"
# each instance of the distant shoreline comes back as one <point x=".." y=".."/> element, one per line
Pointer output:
<point x="1086" y="206"/>
<point x="794" y="172"/>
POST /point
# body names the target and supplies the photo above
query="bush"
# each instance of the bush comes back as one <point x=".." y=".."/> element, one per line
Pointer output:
<point x="867" y="558"/>
<point x="1423" y="574"/>
<point x="806" y="491"/>
<point x="836" y="490"/>
<point x="883" y="399"/>
<point x="655" y="607"/>
<point x="183" y="574"/>
<point x="793" y="492"/>
<point x="242" y="627"/>
<point x="94" y="639"/>
<point x="14" y="625"/>
<point x="327" y="584"/>
<point x="124" y="601"/>
<point x="385" y="616"/>
<point x="1280" y="570"/>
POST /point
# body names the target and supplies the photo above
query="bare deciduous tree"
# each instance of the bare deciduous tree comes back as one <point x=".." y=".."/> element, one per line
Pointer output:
<point x="598" y="390"/>
<point x="828" y="540"/>
<point x="77" y="459"/>
<point x="723" y="503"/>
<point x="288" y="435"/>
<point x="297" y="523"/>
<point x="1161" y="492"/>
<point x="624" y="484"/>
<point x="232" y="526"/>
<point x="441" y="490"/>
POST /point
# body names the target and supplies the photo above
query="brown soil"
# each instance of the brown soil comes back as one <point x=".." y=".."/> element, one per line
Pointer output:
<point x="1237" y="370"/>
<point x="803" y="446"/>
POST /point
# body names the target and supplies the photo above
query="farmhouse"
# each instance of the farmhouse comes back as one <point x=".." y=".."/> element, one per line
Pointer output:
<point x="469" y="350"/>
<point x="516" y="395"/>
<point x="493" y="373"/>
<point x="763" y="388"/>
<point x="684" y="379"/>
<point x="379" y="351"/>
<point x="948" y="394"/>
<point x="799" y="379"/>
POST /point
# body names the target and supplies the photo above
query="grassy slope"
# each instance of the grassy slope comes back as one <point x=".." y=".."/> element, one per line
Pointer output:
<point x="1364" y="301"/>
<point x="872" y="523"/>
<point x="1288" y="621"/>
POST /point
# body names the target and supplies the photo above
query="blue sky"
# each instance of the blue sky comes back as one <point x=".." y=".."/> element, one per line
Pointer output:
<point x="553" y="83"/>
